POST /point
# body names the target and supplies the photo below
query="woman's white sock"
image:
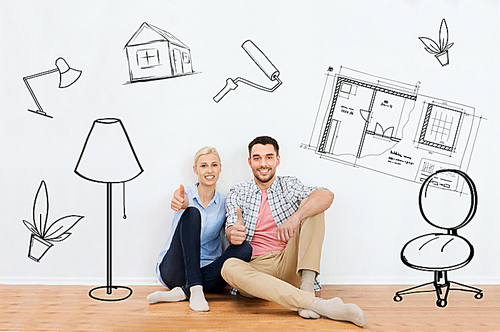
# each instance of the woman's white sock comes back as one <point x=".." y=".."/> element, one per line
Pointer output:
<point x="174" y="295"/>
<point x="197" y="301"/>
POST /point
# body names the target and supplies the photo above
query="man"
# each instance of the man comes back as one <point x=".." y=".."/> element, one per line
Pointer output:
<point x="284" y="222"/>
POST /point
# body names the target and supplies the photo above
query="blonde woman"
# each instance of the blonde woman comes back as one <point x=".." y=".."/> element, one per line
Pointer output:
<point x="191" y="260"/>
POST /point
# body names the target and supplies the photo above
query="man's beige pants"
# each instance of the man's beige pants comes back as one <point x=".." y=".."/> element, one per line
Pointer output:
<point x="275" y="275"/>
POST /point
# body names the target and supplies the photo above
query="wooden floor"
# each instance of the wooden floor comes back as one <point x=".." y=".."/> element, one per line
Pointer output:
<point x="69" y="308"/>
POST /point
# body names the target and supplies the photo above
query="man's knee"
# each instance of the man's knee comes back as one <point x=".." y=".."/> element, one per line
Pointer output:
<point x="229" y="266"/>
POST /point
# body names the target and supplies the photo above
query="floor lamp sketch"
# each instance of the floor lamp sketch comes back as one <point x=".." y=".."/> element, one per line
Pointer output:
<point x="67" y="76"/>
<point x="108" y="157"/>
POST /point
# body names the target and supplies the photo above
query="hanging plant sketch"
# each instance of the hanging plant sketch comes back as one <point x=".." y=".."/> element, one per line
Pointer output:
<point x="42" y="232"/>
<point x="440" y="49"/>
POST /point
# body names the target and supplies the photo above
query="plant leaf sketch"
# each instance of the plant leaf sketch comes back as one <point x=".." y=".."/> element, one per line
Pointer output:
<point x="67" y="76"/>
<point x="440" y="49"/>
<point x="387" y="126"/>
<point x="153" y="53"/>
<point x="108" y="157"/>
<point x="262" y="62"/>
<point x="44" y="233"/>
<point x="446" y="251"/>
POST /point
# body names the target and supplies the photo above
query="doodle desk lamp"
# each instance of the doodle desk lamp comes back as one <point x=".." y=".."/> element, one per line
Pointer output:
<point x="448" y="201"/>
<point x="108" y="157"/>
<point x="67" y="76"/>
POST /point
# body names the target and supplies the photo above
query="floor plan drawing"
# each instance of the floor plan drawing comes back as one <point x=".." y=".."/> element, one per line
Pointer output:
<point x="387" y="126"/>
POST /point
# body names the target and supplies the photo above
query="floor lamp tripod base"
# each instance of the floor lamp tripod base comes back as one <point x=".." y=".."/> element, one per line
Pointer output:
<point x="123" y="293"/>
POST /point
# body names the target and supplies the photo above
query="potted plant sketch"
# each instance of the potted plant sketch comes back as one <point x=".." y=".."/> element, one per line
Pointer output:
<point x="43" y="234"/>
<point x="440" y="50"/>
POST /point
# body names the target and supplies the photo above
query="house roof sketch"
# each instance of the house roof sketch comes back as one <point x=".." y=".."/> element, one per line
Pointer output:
<point x="148" y="33"/>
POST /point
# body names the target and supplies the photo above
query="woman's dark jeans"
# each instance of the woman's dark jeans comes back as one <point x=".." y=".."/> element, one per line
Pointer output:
<point x="180" y="266"/>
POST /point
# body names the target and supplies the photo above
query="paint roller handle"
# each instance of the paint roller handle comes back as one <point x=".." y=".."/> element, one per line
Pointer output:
<point x="230" y="85"/>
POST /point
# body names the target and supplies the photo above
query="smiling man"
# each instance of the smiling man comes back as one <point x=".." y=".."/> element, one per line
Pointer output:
<point x="284" y="222"/>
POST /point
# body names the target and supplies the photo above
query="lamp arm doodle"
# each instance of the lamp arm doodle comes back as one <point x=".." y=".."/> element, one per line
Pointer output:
<point x="25" y="79"/>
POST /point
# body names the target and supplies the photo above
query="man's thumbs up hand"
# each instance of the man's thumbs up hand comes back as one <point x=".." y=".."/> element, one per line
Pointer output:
<point x="238" y="230"/>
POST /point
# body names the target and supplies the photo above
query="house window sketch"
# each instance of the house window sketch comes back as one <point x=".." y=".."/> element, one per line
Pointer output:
<point x="153" y="53"/>
<point x="148" y="58"/>
<point x="387" y="126"/>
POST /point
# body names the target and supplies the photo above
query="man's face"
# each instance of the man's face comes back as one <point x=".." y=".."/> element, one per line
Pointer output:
<point x="263" y="161"/>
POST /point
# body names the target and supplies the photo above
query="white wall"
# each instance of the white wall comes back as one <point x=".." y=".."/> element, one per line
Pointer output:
<point x="373" y="216"/>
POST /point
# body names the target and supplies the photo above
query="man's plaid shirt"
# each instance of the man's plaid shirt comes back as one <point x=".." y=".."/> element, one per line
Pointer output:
<point x="284" y="196"/>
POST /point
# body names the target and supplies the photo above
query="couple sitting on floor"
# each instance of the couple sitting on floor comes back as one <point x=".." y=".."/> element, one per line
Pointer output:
<point x="275" y="225"/>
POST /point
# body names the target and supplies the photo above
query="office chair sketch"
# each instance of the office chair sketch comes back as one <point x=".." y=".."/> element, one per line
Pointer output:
<point x="447" y="251"/>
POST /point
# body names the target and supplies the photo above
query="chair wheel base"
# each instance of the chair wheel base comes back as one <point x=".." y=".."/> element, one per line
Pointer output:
<point x="441" y="303"/>
<point x="397" y="298"/>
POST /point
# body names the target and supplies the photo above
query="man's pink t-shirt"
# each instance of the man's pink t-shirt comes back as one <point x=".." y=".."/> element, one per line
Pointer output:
<point x="264" y="239"/>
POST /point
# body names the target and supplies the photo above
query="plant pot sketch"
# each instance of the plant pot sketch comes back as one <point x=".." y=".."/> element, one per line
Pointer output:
<point x="440" y="49"/>
<point x="38" y="247"/>
<point x="42" y="232"/>
<point x="443" y="58"/>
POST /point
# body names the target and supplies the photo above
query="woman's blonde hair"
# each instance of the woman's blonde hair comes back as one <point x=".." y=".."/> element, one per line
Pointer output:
<point x="206" y="150"/>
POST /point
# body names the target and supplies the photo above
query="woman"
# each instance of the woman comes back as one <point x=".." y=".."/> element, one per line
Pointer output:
<point x="191" y="260"/>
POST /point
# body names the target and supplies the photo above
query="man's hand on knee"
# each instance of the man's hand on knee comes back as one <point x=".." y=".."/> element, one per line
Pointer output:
<point x="287" y="230"/>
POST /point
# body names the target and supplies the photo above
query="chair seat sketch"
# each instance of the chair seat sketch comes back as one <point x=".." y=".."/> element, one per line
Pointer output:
<point x="442" y="252"/>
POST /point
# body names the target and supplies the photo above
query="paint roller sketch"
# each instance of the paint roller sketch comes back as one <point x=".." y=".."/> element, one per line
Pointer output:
<point x="264" y="64"/>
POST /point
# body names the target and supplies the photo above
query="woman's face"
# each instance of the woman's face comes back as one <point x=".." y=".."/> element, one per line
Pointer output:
<point x="208" y="169"/>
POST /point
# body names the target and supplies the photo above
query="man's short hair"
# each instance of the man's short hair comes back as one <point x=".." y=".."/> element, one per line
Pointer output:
<point x="264" y="140"/>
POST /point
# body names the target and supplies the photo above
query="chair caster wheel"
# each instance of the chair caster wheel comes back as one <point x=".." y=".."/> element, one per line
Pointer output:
<point x="478" y="296"/>
<point x="441" y="303"/>
<point x="397" y="298"/>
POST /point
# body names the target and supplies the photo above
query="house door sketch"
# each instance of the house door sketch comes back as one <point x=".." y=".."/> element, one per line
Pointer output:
<point x="177" y="62"/>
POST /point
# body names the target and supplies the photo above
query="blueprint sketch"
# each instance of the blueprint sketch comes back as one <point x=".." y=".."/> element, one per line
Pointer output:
<point x="387" y="126"/>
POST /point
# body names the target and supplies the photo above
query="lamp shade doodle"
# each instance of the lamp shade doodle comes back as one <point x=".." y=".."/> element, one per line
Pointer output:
<point x="67" y="75"/>
<point x="108" y="155"/>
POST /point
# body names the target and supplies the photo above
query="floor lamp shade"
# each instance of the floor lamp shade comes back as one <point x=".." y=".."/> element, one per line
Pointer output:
<point x="108" y="155"/>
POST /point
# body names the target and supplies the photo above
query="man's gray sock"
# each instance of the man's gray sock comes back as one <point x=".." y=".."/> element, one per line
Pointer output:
<point x="337" y="310"/>
<point x="307" y="285"/>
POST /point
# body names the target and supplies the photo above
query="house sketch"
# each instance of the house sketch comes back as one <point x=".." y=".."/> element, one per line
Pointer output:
<point x="153" y="53"/>
<point x="387" y="126"/>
